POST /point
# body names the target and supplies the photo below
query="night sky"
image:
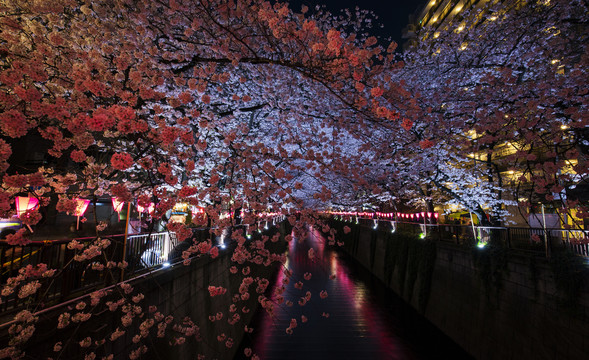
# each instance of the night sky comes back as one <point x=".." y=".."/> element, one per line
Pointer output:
<point x="393" y="14"/>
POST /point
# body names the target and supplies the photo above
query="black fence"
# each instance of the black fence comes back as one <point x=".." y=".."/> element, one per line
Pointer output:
<point x="76" y="275"/>
<point x="518" y="238"/>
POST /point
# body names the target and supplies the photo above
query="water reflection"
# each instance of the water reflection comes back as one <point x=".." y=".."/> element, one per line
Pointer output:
<point x="350" y="323"/>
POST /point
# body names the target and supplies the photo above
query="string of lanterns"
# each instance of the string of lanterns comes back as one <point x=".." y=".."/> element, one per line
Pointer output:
<point x="387" y="215"/>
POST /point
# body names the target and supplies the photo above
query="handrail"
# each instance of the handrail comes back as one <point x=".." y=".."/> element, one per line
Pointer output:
<point x="515" y="238"/>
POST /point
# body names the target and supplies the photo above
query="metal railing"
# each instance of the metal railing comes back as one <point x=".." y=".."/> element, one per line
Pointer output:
<point x="73" y="278"/>
<point x="519" y="238"/>
<point x="143" y="251"/>
<point x="149" y="250"/>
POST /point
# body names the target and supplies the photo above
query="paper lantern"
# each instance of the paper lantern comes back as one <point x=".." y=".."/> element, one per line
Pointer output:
<point x="25" y="203"/>
<point x="436" y="215"/>
<point x="117" y="204"/>
<point x="81" y="206"/>
<point x="142" y="209"/>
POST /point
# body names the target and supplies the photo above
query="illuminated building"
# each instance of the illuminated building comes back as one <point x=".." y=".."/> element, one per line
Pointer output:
<point x="439" y="14"/>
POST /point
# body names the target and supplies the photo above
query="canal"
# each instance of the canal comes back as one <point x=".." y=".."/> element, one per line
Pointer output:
<point x="359" y="319"/>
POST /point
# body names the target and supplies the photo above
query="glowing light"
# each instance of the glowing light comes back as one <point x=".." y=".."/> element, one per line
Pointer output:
<point x="117" y="204"/>
<point x="25" y="203"/>
<point x="481" y="244"/>
<point x="149" y="209"/>
<point x="166" y="264"/>
<point x="436" y="34"/>
<point x="422" y="236"/>
<point x="81" y="206"/>
<point x="375" y="224"/>
<point x="9" y="224"/>
<point x="463" y="46"/>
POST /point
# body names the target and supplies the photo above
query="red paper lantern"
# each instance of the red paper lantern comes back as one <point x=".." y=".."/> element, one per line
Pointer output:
<point x="25" y="203"/>
<point x="81" y="206"/>
<point x="117" y="204"/>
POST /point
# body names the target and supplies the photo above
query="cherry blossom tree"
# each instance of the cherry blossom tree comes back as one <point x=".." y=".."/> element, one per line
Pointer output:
<point x="500" y="104"/>
<point x="219" y="103"/>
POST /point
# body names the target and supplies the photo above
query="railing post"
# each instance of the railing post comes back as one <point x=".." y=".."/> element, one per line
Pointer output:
<point x="125" y="240"/>
<point x="166" y="247"/>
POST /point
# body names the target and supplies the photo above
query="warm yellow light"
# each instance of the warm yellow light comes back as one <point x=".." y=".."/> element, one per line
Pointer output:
<point x="460" y="28"/>
<point x="563" y="127"/>
<point x="458" y="8"/>
<point x="463" y="46"/>
<point x="436" y="34"/>
<point x="555" y="61"/>
<point x="493" y="18"/>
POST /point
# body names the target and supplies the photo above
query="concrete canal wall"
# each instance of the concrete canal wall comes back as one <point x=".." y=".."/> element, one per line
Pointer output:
<point x="495" y="304"/>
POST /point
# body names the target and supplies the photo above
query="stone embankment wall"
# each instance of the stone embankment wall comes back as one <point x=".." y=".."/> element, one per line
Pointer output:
<point x="496" y="304"/>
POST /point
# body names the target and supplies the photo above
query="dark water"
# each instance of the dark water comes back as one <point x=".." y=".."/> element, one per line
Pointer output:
<point x="366" y="320"/>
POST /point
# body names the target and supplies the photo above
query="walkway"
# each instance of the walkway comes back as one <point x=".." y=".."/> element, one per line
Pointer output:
<point x="365" y="320"/>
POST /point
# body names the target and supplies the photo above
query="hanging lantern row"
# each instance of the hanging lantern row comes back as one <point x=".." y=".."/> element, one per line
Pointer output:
<point x="389" y="215"/>
<point x="422" y="215"/>
<point x="143" y="209"/>
<point x="23" y="204"/>
<point x="270" y="214"/>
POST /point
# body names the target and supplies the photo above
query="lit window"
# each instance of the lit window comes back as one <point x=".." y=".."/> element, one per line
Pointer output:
<point x="436" y="34"/>
<point x="460" y="28"/>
